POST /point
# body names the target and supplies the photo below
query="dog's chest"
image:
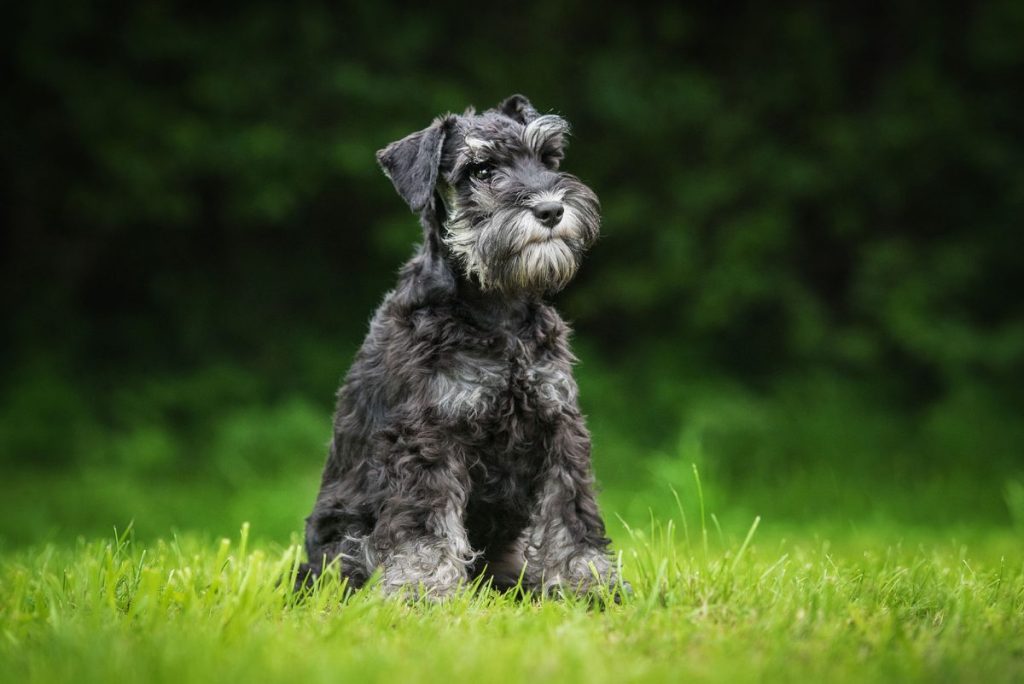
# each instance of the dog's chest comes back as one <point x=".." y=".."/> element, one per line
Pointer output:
<point x="518" y="381"/>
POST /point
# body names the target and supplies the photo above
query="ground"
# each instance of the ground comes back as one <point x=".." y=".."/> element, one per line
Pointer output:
<point x="880" y="603"/>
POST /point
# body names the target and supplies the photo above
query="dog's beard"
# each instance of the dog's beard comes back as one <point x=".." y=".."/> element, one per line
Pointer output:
<point x="510" y="251"/>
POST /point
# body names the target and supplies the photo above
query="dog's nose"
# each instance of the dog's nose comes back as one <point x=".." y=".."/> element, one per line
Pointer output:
<point x="549" y="213"/>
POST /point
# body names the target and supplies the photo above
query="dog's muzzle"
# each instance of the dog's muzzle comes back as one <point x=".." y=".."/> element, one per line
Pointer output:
<point x="531" y="247"/>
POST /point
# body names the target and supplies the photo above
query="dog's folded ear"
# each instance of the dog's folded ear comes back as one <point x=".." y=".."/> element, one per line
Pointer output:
<point x="412" y="163"/>
<point x="517" y="107"/>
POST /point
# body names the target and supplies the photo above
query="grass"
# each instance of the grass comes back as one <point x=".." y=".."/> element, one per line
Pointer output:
<point x="708" y="605"/>
<point x="888" y="550"/>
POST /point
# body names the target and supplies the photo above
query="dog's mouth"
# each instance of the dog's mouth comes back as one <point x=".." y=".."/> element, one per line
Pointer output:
<point x="549" y="235"/>
<point x="536" y="233"/>
<point x="541" y="240"/>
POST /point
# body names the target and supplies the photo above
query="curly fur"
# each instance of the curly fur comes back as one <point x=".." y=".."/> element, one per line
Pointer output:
<point x="458" y="445"/>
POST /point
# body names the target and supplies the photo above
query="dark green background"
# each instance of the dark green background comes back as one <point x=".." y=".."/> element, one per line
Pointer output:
<point x="809" y="282"/>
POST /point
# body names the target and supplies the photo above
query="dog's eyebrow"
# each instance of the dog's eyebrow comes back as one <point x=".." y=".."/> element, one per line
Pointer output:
<point x="477" y="145"/>
<point x="545" y="130"/>
<point x="481" y="149"/>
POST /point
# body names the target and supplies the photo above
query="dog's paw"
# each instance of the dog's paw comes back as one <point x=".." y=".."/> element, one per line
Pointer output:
<point x="428" y="590"/>
<point x="597" y="589"/>
<point x="421" y="593"/>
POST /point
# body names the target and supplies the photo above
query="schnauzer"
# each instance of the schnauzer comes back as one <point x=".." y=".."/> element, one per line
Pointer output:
<point x="459" y="449"/>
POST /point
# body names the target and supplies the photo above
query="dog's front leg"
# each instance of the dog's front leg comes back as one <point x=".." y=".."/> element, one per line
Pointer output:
<point x="565" y="547"/>
<point x="420" y="537"/>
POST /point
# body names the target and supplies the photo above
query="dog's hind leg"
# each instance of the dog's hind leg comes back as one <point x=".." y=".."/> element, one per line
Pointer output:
<point x="333" y="536"/>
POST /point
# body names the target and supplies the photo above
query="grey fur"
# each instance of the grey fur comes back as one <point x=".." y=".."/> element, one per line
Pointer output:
<point x="458" y="445"/>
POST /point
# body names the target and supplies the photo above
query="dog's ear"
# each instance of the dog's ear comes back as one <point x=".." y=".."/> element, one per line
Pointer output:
<point x="412" y="163"/>
<point x="517" y="107"/>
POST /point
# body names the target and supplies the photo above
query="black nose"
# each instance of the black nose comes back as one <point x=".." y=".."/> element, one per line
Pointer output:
<point x="549" y="213"/>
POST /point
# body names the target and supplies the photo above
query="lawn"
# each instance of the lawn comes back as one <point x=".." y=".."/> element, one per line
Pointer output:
<point x="822" y="541"/>
<point x="882" y="603"/>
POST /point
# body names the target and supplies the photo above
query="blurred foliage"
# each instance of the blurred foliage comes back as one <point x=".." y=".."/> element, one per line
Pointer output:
<point x="811" y="232"/>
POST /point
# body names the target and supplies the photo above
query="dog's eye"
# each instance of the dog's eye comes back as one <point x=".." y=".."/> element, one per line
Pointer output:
<point x="482" y="172"/>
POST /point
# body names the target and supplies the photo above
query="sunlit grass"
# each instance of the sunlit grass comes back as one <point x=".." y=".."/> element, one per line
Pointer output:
<point x="191" y="609"/>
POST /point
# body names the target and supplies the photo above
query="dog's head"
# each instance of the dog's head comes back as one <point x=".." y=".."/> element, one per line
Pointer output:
<point x="511" y="219"/>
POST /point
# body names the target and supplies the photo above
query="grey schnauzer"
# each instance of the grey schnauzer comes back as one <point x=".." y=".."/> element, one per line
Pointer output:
<point x="459" y="449"/>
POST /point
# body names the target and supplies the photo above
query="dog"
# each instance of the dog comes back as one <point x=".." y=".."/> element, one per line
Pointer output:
<point x="459" y="450"/>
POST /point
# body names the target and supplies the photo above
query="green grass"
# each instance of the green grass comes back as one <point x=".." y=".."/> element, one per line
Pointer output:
<point x="890" y="549"/>
<point x="868" y="605"/>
